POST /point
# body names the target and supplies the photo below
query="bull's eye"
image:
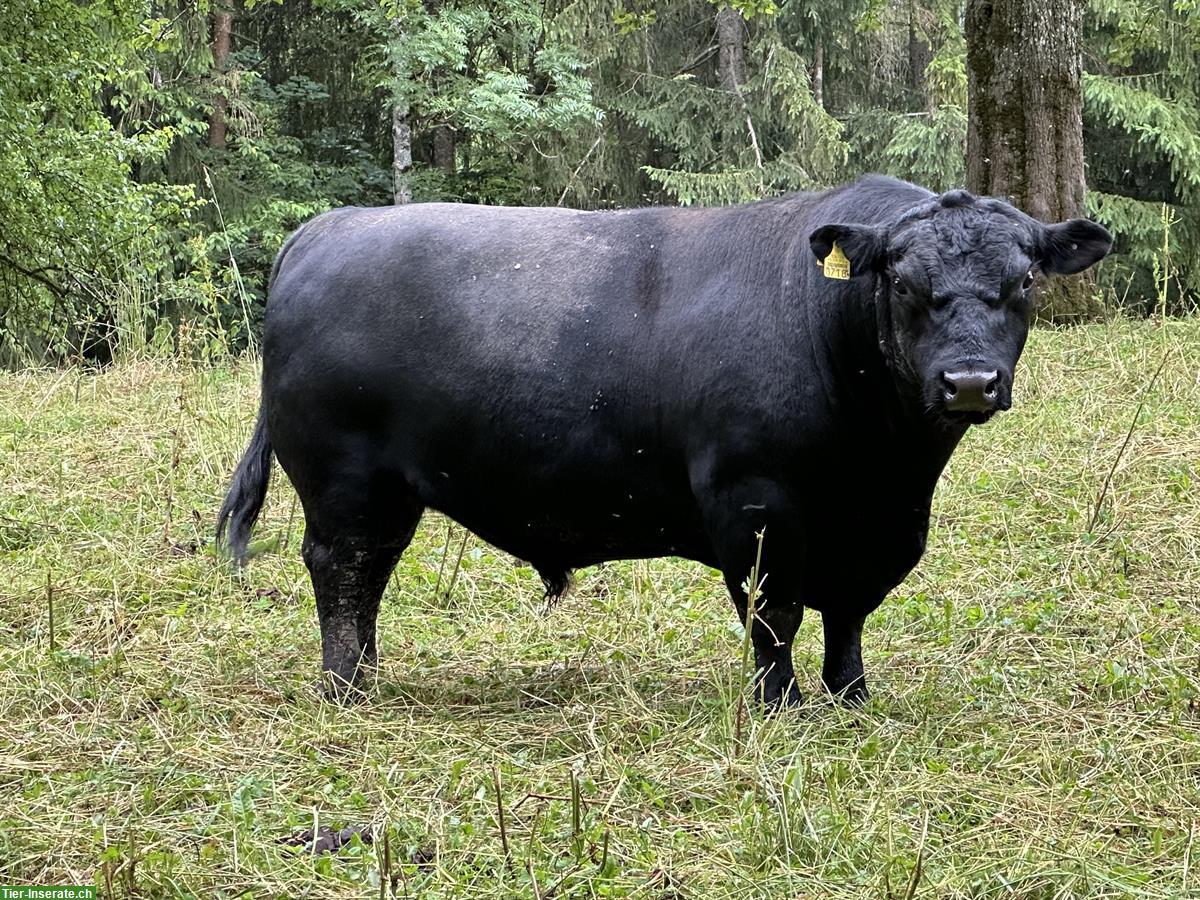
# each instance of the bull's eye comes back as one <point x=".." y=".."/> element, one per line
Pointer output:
<point x="898" y="286"/>
<point x="1027" y="283"/>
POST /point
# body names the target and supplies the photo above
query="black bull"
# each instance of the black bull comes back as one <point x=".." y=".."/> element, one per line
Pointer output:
<point x="576" y="387"/>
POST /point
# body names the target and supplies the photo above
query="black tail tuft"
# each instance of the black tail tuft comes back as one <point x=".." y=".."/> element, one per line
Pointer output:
<point x="556" y="582"/>
<point x="242" y="504"/>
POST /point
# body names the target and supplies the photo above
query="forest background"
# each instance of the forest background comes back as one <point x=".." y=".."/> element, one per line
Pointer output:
<point x="154" y="154"/>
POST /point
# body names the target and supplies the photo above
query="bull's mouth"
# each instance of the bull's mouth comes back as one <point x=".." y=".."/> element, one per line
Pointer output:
<point x="968" y="418"/>
<point x="953" y="414"/>
<point x="956" y="419"/>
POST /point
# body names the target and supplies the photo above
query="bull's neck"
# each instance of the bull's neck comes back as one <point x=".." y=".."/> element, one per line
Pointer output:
<point x="874" y="389"/>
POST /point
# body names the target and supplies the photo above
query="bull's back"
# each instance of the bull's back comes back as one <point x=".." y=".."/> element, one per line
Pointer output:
<point x="504" y="313"/>
<point x="504" y="282"/>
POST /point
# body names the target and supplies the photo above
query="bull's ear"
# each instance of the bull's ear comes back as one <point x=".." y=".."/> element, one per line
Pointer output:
<point x="864" y="245"/>
<point x="1072" y="246"/>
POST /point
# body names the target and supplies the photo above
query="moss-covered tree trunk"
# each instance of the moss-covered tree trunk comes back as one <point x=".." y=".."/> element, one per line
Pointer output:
<point x="443" y="149"/>
<point x="222" y="33"/>
<point x="731" y="63"/>
<point x="401" y="135"/>
<point x="401" y="153"/>
<point x="1025" y="121"/>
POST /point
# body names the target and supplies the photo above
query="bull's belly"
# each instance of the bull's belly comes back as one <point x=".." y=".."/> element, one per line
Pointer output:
<point x="568" y="527"/>
<point x="566" y="503"/>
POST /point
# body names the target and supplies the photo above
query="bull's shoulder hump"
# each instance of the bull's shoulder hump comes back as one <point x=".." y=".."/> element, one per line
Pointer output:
<point x="871" y="199"/>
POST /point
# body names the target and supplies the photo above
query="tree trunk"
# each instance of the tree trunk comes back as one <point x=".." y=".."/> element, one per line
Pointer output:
<point x="818" y="76"/>
<point x="1025" y="121"/>
<point x="443" y="149"/>
<point x="401" y="133"/>
<point x="401" y="154"/>
<point x="222" y="30"/>
<point x="731" y="63"/>
<point x="731" y="69"/>
<point x="920" y="55"/>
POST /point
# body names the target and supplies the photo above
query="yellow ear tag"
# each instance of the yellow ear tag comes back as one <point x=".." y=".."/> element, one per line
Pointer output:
<point x="836" y="265"/>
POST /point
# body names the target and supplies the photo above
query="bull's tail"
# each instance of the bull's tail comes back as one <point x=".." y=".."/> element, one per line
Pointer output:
<point x="248" y="489"/>
<point x="244" y="501"/>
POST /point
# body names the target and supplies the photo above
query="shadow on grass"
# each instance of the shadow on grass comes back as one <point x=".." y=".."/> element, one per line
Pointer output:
<point x="553" y="686"/>
<point x="662" y="695"/>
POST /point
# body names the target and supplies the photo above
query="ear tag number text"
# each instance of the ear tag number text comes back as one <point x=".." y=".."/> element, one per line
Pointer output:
<point x="836" y="265"/>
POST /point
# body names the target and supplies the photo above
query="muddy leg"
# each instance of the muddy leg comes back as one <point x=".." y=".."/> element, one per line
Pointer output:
<point x="368" y="612"/>
<point x="349" y="574"/>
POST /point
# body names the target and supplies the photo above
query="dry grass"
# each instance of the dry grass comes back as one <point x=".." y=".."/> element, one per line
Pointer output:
<point x="1034" y="731"/>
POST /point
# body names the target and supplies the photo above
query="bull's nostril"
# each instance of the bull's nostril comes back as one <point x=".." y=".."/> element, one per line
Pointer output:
<point x="989" y="389"/>
<point x="948" y="386"/>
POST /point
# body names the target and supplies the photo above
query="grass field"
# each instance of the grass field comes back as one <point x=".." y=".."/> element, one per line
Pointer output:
<point x="1034" y="731"/>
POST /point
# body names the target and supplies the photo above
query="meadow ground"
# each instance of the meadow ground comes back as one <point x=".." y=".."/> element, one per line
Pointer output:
<point x="1034" y="732"/>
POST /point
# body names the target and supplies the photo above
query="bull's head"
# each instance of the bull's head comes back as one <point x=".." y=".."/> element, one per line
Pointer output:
<point x="955" y="277"/>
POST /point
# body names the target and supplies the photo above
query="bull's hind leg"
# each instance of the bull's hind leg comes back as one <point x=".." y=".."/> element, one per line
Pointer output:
<point x="350" y="567"/>
<point x="368" y="611"/>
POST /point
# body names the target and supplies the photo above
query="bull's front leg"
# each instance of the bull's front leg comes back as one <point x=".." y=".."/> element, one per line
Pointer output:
<point x="772" y="633"/>
<point x="736" y="515"/>
<point x="842" y="671"/>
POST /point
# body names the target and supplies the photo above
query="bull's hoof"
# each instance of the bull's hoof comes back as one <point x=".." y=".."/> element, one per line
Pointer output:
<point x="779" y="696"/>
<point x="853" y="694"/>
<point x="342" y="690"/>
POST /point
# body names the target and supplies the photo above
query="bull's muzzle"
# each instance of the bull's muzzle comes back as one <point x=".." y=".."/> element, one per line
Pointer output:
<point x="971" y="391"/>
